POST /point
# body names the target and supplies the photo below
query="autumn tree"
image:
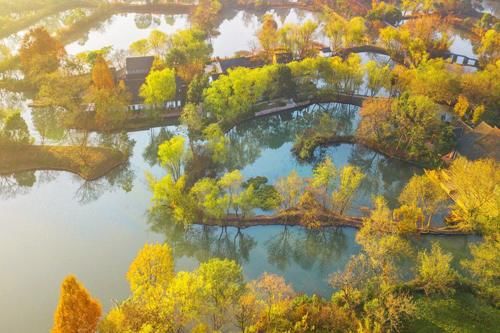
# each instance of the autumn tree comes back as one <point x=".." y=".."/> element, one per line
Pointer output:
<point x="152" y="268"/>
<point x="367" y="285"/>
<point x="13" y="128"/>
<point x="482" y="90"/>
<point x="223" y="286"/>
<point x="156" y="43"/>
<point x="40" y="53"/>
<point x="432" y="79"/>
<point x="172" y="154"/>
<point x="489" y="50"/>
<point x="76" y="311"/>
<point x="109" y="100"/>
<point x="406" y="127"/>
<point x="275" y="294"/>
<point x="324" y="179"/>
<point x="188" y="52"/>
<point x="290" y="189"/>
<point x="434" y="272"/>
<point x="379" y="77"/>
<point x="205" y="15"/>
<point x="268" y="35"/>
<point x="350" y="179"/>
<point x="473" y="187"/>
<point x="484" y="266"/>
<point x="101" y="74"/>
<point x="425" y="194"/>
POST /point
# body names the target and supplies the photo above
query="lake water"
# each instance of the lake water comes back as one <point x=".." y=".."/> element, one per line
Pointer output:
<point x="237" y="30"/>
<point x="54" y="223"/>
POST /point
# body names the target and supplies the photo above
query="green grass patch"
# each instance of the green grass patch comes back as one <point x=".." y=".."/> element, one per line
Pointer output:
<point x="462" y="312"/>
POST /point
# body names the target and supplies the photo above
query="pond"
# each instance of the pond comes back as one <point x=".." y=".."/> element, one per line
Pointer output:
<point x="54" y="223"/>
<point x="237" y="30"/>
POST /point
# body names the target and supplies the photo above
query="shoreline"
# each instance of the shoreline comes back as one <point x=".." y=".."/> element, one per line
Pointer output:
<point x="326" y="220"/>
<point x="90" y="163"/>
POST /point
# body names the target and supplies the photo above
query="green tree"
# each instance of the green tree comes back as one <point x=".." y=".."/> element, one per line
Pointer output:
<point x="425" y="194"/>
<point x="268" y="35"/>
<point x="324" y="178"/>
<point x="484" y="266"/>
<point x="290" y="189"/>
<point x="349" y="181"/>
<point x="160" y="87"/>
<point x="206" y="193"/>
<point x="231" y="183"/>
<point x="172" y="154"/>
<point x="473" y="187"/>
<point x="434" y="272"/>
<point x="223" y="286"/>
<point x="206" y="14"/>
<point x="379" y="77"/>
<point x="14" y="129"/>
<point x="140" y="47"/>
<point x="233" y="96"/>
<point x="188" y="53"/>
<point x="217" y="143"/>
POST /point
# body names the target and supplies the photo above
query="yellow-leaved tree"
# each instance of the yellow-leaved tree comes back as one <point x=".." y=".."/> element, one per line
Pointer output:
<point x="153" y="268"/>
<point x="77" y="311"/>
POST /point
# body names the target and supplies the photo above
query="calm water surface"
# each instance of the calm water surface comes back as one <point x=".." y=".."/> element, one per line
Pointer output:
<point x="54" y="223"/>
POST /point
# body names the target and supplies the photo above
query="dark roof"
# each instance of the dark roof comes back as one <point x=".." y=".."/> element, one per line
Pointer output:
<point x="480" y="142"/>
<point x="139" y="65"/>
<point x="247" y="62"/>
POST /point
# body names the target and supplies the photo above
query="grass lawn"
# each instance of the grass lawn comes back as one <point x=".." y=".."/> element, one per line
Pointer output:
<point x="461" y="313"/>
<point x="90" y="163"/>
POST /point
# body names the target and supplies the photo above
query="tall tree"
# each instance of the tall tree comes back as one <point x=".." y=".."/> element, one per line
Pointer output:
<point x="349" y="182"/>
<point x="40" y="53"/>
<point x="101" y="74"/>
<point x="76" y="311"/>
<point x="268" y="35"/>
<point x="425" y="194"/>
<point x="151" y="270"/>
<point x="188" y="53"/>
<point x="223" y="286"/>
<point x="434" y="272"/>
<point x="172" y="154"/>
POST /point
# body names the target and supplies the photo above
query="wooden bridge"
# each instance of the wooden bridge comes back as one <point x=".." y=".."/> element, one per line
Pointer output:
<point x="453" y="58"/>
<point x="458" y="59"/>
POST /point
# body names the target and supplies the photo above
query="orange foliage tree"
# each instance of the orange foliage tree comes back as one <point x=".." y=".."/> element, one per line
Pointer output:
<point x="77" y="311"/>
<point x="40" y="53"/>
<point x="101" y="74"/>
